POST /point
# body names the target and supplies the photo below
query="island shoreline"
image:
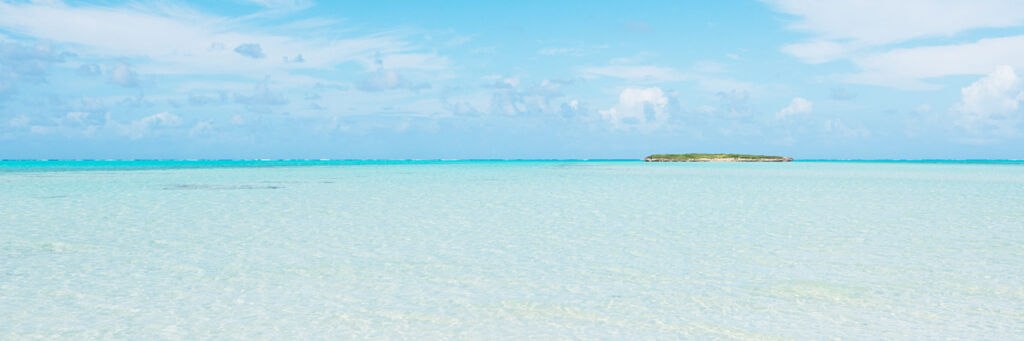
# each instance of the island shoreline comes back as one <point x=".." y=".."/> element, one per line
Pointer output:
<point x="786" y="159"/>
<point x="698" y="157"/>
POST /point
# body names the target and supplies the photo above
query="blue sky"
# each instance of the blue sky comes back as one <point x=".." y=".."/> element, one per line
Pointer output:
<point x="527" y="79"/>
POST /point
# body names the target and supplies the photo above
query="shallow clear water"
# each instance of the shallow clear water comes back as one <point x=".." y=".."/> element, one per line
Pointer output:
<point x="511" y="250"/>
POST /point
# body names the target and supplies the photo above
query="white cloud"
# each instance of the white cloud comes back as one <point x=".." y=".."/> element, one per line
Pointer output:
<point x="639" y="107"/>
<point x="562" y="51"/>
<point x="384" y="79"/>
<point x="141" y="127"/>
<point x="706" y="109"/>
<point x="642" y="73"/>
<point x="466" y="103"/>
<point x="41" y="130"/>
<point x="201" y="127"/>
<point x="863" y="31"/>
<point x="178" y="40"/>
<point x="76" y="116"/>
<point x="19" y="121"/>
<point x="636" y="26"/>
<point x="123" y="75"/>
<point x="815" y="52"/>
<point x="262" y="98"/>
<point x="658" y="74"/>
<point x="163" y="119"/>
<point x="709" y="66"/>
<point x="510" y="81"/>
<point x="89" y="70"/>
<point x="638" y="58"/>
<point x="841" y="94"/>
<point x="796" y="107"/>
<point x="389" y="80"/>
<point x="509" y="96"/>
<point x="286" y="5"/>
<point x="719" y="85"/>
<point x="992" y="104"/>
<point x="25" y="62"/>
<point x="836" y="127"/>
<point x="420" y="61"/>
<point x="879" y="22"/>
<point x="906" y="67"/>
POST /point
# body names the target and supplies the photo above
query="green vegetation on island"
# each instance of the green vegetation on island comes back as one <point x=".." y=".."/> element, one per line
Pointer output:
<point x="693" y="157"/>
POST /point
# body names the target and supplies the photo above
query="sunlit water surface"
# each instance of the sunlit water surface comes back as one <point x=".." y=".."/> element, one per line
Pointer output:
<point x="511" y="250"/>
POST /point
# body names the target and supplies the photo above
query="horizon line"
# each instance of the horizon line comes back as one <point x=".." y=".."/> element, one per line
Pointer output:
<point x="479" y="159"/>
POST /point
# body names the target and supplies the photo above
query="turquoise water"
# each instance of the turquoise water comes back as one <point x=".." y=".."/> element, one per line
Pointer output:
<point x="619" y="250"/>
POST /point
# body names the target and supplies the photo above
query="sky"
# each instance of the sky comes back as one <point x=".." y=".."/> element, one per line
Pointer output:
<point x="301" y="79"/>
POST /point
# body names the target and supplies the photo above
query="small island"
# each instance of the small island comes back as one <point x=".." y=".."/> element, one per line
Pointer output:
<point x="715" y="158"/>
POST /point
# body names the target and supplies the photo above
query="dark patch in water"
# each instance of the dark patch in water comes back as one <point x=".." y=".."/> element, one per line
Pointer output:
<point x="217" y="187"/>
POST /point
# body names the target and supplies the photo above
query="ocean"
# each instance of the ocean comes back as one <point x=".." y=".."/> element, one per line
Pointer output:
<point x="618" y="250"/>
